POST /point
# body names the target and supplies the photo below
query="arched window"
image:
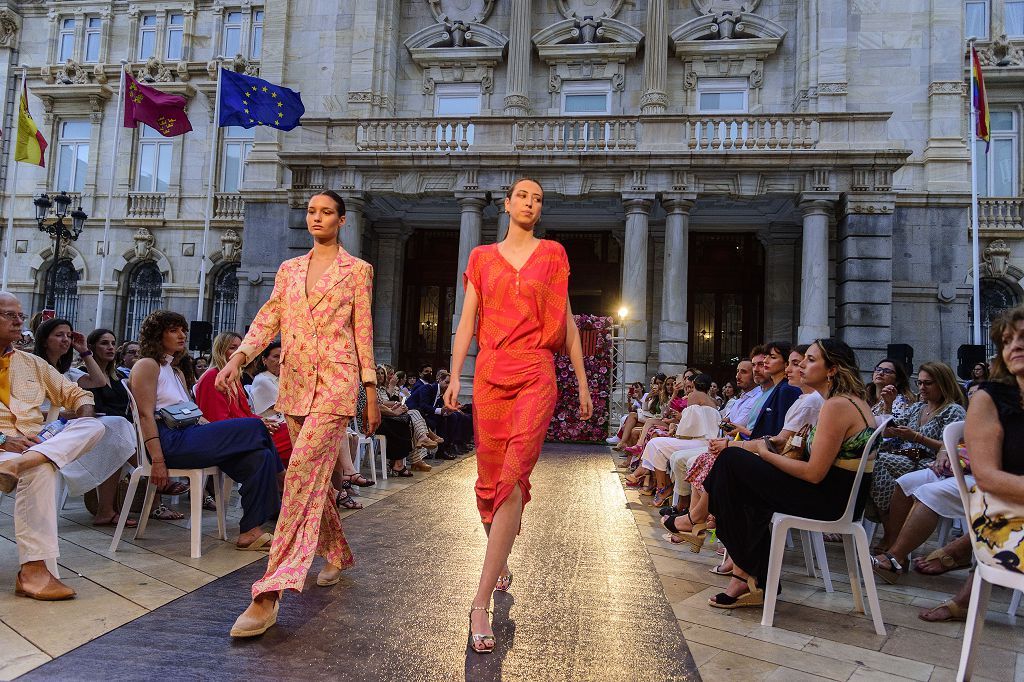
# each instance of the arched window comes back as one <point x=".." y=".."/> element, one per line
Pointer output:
<point x="996" y="296"/>
<point x="66" y="290"/>
<point x="145" y="294"/>
<point x="225" y="299"/>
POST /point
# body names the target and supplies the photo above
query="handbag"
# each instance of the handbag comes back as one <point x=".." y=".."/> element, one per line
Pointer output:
<point x="180" y="415"/>
<point x="796" y="446"/>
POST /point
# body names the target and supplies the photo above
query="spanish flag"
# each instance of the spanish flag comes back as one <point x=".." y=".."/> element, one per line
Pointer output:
<point x="30" y="145"/>
<point x="981" y="125"/>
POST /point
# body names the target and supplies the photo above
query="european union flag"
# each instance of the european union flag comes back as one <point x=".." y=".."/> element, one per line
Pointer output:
<point x="246" y="101"/>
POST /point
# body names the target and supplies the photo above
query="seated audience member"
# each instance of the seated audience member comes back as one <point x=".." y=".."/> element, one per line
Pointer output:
<point x="201" y="364"/>
<point x="916" y="438"/>
<point x="921" y="498"/>
<point x="670" y="402"/>
<point x="889" y="390"/>
<point x="125" y="357"/>
<point x="241" y="448"/>
<point x="454" y="426"/>
<point x="641" y="409"/>
<point x="800" y="418"/>
<point x="759" y="394"/>
<point x="426" y="376"/>
<point x="264" y="392"/>
<point x="652" y="409"/>
<point x="685" y="394"/>
<point x="681" y="457"/>
<point x="746" y="488"/>
<point x="397" y="432"/>
<point x="424" y="440"/>
<point x="729" y="395"/>
<point x="29" y="465"/>
<point x="100" y="467"/>
<point x="771" y="414"/>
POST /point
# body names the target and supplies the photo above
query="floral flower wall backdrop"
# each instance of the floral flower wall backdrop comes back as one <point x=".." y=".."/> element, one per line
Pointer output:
<point x="566" y="425"/>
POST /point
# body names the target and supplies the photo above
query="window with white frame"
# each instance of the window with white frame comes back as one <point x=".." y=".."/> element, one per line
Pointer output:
<point x="1013" y="19"/>
<point x="231" y="37"/>
<point x="256" y="43"/>
<point x="72" y="154"/>
<point x="976" y="19"/>
<point x="66" y="40"/>
<point x="147" y="36"/>
<point x="93" y="35"/>
<point x="455" y="101"/>
<point x="722" y="95"/>
<point x="580" y="100"/>
<point x="174" y="44"/>
<point x="998" y="170"/>
<point x="237" y="145"/>
<point x="154" y="169"/>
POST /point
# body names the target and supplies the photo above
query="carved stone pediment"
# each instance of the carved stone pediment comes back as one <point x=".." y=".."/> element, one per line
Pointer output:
<point x="481" y="49"/>
<point x="739" y="26"/>
<point x="612" y="44"/>
<point x="440" y="37"/>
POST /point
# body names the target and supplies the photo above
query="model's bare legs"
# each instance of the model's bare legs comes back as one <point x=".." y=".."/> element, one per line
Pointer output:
<point x="501" y="535"/>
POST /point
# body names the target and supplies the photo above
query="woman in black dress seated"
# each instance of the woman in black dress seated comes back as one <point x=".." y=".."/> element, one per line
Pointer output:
<point x="745" y="488"/>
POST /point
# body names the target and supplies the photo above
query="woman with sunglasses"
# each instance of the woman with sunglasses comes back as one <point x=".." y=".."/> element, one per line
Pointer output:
<point x="915" y="440"/>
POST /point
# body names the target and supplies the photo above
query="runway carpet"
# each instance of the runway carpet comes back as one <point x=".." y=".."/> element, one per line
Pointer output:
<point x="585" y="605"/>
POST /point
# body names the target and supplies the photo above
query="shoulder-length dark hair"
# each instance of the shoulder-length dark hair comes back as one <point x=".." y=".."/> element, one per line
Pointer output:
<point x="43" y="332"/>
<point x="902" y="383"/>
<point x="847" y="379"/>
<point x="94" y="337"/>
<point x="151" y="336"/>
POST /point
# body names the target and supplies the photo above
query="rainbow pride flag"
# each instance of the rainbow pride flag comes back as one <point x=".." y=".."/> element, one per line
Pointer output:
<point x="982" y="127"/>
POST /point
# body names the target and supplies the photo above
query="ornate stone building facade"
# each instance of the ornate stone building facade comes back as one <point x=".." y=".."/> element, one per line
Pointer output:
<point x="726" y="170"/>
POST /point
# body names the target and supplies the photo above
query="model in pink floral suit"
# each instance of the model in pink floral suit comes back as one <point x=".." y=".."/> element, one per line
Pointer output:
<point x="321" y="308"/>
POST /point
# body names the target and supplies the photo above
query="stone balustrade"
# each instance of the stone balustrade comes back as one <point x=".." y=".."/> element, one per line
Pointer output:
<point x="228" y="206"/>
<point x="1001" y="213"/>
<point x="698" y="134"/>
<point x="146" y="204"/>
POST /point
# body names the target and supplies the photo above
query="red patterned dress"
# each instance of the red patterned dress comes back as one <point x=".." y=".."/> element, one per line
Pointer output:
<point x="520" y="326"/>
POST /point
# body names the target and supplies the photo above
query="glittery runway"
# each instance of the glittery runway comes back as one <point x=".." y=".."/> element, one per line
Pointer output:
<point x="586" y="603"/>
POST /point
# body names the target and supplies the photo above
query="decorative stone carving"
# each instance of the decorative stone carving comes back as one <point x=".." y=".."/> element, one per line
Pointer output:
<point x="239" y="65"/>
<point x="428" y="85"/>
<point x="1001" y="53"/>
<point x="9" y="25"/>
<point x="564" y="48"/>
<point x="360" y="97"/>
<point x="155" y="71"/>
<point x="144" y="244"/>
<point x="719" y="6"/>
<point x="576" y="9"/>
<point x="470" y="11"/>
<point x="588" y="29"/>
<point x="438" y="37"/>
<point x="231" y="246"/>
<point x="487" y="83"/>
<point x="958" y="88"/>
<point x="70" y="73"/>
<point x="997" y="255"/>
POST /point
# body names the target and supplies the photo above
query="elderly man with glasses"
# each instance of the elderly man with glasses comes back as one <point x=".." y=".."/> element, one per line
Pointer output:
<point x="29" y="464"/>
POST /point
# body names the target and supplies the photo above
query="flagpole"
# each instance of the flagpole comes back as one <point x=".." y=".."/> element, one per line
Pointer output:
<point x="118" y="124"/>
<point x="209" y="190"/>
<point x="975" y="248"/>
<point x="13" y="191"/>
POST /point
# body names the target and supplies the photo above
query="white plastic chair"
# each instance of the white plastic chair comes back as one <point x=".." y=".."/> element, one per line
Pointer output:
<point x="855" y="545"/>
<point x="197" y="482"/>
<point x="368" y="444"/>
<point x="985" y="575"/>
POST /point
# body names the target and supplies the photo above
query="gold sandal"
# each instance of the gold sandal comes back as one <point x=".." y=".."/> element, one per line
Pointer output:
<point x="695" y="538"/>
<point x="754" y="597"/>
<point x="479" y="642"/>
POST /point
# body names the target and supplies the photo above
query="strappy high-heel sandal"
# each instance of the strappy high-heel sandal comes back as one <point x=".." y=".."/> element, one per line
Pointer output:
<point x="478" y="641"/>
<point x="504" y="583"/>
<point x="661" y="496"/>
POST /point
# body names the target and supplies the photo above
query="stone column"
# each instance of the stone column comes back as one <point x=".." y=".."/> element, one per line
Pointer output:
<point x="814" y="267"/>
<point x="634" y="287"/>
<point x="517" y="94"/>
<point x="503" y="219"/>
<point x="387" y="293"/>
<point x="864" y="274"/>
<point x="472" y="206"/>
<point x="352" y="230"/>
<point x="674" y="330"/>
<point x="655" y="99"/>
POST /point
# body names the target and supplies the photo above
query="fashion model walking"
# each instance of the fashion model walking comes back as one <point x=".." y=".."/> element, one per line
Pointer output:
<point x="321" y="307"/>
<point x="517" y="303"/>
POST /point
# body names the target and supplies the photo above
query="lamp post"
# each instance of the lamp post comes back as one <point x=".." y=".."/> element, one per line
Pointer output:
<point x="59" y="232"/>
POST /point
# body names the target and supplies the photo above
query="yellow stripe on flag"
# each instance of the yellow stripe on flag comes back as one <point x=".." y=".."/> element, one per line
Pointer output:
<point x="30" y="144"/>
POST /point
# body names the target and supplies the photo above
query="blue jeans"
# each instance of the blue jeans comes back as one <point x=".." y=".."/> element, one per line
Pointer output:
<point x="242" y="449"/>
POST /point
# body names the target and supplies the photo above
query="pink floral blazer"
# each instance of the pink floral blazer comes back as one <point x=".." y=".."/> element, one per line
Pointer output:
<point x="326" y="339"/>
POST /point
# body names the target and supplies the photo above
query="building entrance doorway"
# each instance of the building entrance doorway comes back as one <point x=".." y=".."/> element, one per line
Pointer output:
<point x="595" y="264"/>
<point x="428" y="299"/>
<point x="726" y="299"/>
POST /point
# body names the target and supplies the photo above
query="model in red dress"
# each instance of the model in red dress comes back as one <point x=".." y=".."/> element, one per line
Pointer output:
<point x="518" y="304"/>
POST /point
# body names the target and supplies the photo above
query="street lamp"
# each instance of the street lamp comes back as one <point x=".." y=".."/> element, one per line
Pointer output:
<point x="59" y="232"/>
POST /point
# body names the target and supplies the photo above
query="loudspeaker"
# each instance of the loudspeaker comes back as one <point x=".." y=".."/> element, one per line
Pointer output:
<point x="967" y="356"/>
<point x="200" y="336"/>
<point x="902" y="352"/>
